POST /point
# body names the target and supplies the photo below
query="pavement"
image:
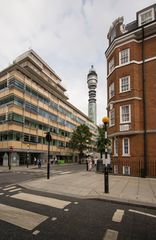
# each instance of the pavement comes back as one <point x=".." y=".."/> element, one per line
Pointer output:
<point x="89" y="184"/>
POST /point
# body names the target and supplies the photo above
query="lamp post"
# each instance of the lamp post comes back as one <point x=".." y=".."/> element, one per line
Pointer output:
<point x="28" y="148"/>
<point x="49" y="139"/>
<point x="10" y="156"/>
<point x="87" y="156"/>
<point x="105" y="121"/>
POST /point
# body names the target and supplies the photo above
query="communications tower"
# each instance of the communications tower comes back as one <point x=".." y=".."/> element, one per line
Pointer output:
<point x="92" y="80"/>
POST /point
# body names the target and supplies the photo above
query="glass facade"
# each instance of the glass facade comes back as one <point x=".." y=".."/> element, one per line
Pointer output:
<point x="32" y="104"/>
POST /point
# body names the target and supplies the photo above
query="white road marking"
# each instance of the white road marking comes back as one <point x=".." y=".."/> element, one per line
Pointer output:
<point x="52" y="202"/>
<point x="9" y="188"/>
<point x="117" y="217"/>
<point x="36" y="232"/>
<point x="76" y="203"/>
<point x="10" y="185"/>
<point x="16" y="189"/>
<point x="1" y="193"/>
<point x="19" y="217"/>
<point x="54" y="219"/>
<point x="66" y="210"/>
<point x="110" y="235"/>
<point x="142" y="213"/>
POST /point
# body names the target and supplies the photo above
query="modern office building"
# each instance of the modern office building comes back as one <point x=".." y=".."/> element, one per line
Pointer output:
<point x="32" y="102"/>
<point x="92" y="79"/>
<point x="131" y="79"/>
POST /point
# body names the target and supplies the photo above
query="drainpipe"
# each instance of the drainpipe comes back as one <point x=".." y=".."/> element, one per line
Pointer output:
<point x="144" y="174"/>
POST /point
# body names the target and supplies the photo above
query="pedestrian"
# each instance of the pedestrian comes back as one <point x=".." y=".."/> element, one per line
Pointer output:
<point x="95" y="161"/>
<point x="55" y="160"/>
<point x="92" y="162"/>
<point x="35" y="161"/>
<point x="39" y="163"/>
<point x="89" y="164"/>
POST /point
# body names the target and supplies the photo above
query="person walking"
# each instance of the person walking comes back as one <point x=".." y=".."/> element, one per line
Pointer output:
<point x="35" y="161"/>
<point x="89" y="164"/>
<point x="39" y="163"/>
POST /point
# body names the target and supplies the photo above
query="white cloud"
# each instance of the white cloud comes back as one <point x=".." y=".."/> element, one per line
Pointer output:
<point x="69" y="35"/>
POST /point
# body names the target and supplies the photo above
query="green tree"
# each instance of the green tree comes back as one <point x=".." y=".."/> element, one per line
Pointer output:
<point x="101" y="141"/>
<point x="80" y="139"/>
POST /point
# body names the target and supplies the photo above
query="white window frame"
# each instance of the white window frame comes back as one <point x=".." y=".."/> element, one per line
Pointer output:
<point x="116" y="169"/>
<point x="116" y="146"/>
<point x="126" y="169"/>
<point x="124" y="87"/>
<point x="111" y="90"/>
<point x="124" y="56"/>
<point x="148" y="19"/>
<point x="112" y="117"/>
<point x="124" y="118"/>
<point x="111" y="65"/>
<point x="126" y="146"/>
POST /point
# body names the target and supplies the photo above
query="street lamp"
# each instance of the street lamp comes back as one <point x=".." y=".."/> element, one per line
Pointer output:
<point x="87" y="156"/>
<point x="28" y="148"/>
<point x="105" y="121"/>
<point x="49" y="139"/>
<point x="10" y="157"/>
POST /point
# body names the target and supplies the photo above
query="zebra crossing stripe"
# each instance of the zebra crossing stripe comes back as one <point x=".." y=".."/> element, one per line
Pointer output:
<point x="9" y="188"/>
<point x="16" y="189"/>
<point x="12" y="184"/>
<point x="52" y="202"/>
<point x="21" y="218"/>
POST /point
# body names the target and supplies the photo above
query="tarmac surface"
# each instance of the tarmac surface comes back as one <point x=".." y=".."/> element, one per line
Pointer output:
<point x="89" y="184"/>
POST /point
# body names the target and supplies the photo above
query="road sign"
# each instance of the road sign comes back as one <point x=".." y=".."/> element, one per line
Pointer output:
<point x="106" y="161"/>
<point x="11" y="149"/>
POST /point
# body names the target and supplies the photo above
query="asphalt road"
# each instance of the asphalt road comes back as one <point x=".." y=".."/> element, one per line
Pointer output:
<point x="27" y="214"/>
<point x="23" y="174"/>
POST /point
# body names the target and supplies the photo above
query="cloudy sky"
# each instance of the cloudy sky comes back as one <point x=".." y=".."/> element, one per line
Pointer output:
<point x="70" y="35"/>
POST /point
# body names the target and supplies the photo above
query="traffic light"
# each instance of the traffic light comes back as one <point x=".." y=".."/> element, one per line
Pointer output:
<point x="48" y="137"/>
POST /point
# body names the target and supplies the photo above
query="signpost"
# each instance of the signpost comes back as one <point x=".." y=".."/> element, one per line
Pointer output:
<point x="28" y="155"/>
<point x="9" y="157"/>
<point x="105" y="121"/>
<point x="49" y="139"/>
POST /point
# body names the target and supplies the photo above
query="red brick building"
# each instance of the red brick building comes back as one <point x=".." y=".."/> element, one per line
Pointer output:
<point x="131" y="81"/>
